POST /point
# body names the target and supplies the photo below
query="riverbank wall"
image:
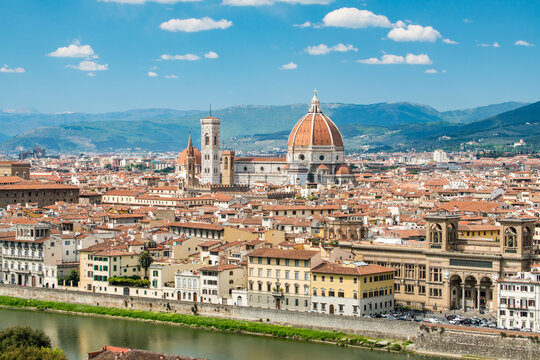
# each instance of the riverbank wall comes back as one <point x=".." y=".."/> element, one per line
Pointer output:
<point x="445" y="340"/>
<point x="386" y="329"/>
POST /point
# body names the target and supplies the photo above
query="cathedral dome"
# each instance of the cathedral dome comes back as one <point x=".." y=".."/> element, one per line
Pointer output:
<point x="343" y="170"/>
<point x="315" y="129"/>
<point x="182" y="157"/>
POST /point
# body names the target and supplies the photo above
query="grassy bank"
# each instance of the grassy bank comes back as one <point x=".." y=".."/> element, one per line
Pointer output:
<point x="260" y="328"/>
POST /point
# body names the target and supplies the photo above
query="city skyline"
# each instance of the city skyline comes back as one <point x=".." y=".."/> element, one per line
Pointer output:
<point x="113" y="55"/>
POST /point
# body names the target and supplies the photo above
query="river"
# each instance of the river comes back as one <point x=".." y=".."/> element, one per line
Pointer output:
<point x="78" y="335"/>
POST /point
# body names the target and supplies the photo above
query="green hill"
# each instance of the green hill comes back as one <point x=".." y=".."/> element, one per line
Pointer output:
<point x="253" y="128"/>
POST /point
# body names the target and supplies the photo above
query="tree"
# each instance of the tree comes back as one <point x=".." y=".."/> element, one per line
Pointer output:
<point x="145" y="260"/>
<point x="72" y="277"/>
<point x="32" y="353"/>
<point x="23" y="337"/>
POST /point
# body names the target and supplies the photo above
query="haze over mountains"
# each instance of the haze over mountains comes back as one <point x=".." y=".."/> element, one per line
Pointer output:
<point x="262" y="128"/>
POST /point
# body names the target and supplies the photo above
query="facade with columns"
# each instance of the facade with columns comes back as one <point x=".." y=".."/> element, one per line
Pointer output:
<point x="447" y="272"/>
<point x="315" y="153"/>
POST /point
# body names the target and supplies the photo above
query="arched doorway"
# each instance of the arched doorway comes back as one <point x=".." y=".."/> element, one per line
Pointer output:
<point x="239" y="301"/>
<point x="471" y="293"/>
<point x="33" y="281"/>
<point x="486" y="293"/>
<point x="195" y="297"/>
<point x="331" y="309"/>
<point x="456" y="288"/>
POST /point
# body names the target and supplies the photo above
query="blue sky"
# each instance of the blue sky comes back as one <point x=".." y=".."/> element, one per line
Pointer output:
<point x="95" y="56"/>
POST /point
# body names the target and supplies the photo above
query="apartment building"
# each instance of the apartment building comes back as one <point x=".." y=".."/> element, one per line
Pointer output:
<point x="519" y="301"/>
<point x="352" y="288"/>
<point x="101" y="261"/>
<point x="30" y="256"/>
<point x="218" y="281"/>
<point x="280" y="279"/>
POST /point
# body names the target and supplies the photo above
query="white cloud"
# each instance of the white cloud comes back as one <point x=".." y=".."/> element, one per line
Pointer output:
<point x="467" y="21"/>
<point x="289" y="66"/>
<point x="272" y="2"/>
<point x="389" y="59"/>
<point x="414" y="33"/>
<point x="523" y="43"/>
<point x="152" y="74"/>
<point x="420" y="59"/>
<point x="74" y="51"/>
<point x="91" y="74"/>
<point x="304" y="25"/>
<point x="7" y="69"/>
<point x="448" y="41"/>
<point x="194" y="25"/>
<point x="324" y="49"/>
<point x="307" y="2"/>
<point x="172" y="76"/>
<point x="211" y="55"/>
<point x="495" y="45"/>
<point x="139" y="2"/>
<point x="188" y="57"/>
<point x="355" y="19"/>
<point x="430" y="71"/>
<point x="87" y="65"/>
<point x="384" y="60"/>
<point x="247" y="2"/>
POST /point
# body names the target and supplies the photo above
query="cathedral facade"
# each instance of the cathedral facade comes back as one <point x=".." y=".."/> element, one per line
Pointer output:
<point x="315" y="154"/>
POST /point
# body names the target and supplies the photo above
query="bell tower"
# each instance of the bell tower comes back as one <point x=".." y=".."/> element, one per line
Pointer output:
<point x="227" y="167"/>
<point x="442" y="232"/>
<point x="190" y="165"/>
<point x="210" y="169"/>
<point x="516" y="236"/>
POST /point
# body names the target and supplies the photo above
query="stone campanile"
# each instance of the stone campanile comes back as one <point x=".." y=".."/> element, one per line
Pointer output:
<point x="227" y="167"/>
<point x="210" y="154"/>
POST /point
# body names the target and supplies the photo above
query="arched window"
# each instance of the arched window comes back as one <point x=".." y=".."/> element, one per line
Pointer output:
<point x="215" y="140"/>
<point x="435" y="235"/>
<point x="527" y="237"/>
<point x="510" y="238"/>
<point x="226" y="163"/>
<point x="206" y="139"/>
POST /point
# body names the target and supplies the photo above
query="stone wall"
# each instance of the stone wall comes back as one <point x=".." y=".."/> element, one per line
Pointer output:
<point x="380" y="328"/>
<point x="477" y="343"/>
<point x="453" y="341"/>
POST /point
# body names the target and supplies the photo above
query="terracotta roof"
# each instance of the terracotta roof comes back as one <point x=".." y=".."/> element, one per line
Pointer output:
<point x="315" y="129"/>
<point x="181" y="160"/>
<point x="284" y="254"/>
<point x="337" y="268"/>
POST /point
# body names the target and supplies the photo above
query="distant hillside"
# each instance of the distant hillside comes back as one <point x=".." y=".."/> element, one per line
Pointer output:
<point x="13" y="123"/>
<point x="479" y="113"/>
<point x="248" y="128"/>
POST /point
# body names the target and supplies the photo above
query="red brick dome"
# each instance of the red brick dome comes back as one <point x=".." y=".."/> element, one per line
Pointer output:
<point x="315" y="129"/>
<point x="181" y="160"/>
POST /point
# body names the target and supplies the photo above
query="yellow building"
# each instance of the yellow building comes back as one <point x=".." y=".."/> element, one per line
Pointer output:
<point x="97" y="265"/>
<point x="479" y="232"/>
<point x="280" y="279"/>
<point x="352" y="288"/>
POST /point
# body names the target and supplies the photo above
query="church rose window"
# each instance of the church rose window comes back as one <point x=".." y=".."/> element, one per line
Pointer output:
<point x="301" y="157"/>
<point x="321" y="157"/>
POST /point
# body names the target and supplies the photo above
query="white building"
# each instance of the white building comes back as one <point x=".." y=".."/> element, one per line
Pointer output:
<point x="187" y="285"/>
<point x="519" y="299"/>
<point x="211" y="157"/>
<point x="25" y="255"/>
<point x="440" y="156"/>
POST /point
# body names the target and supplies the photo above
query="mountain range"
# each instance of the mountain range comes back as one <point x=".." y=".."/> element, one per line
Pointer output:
<point x="258" y="128"/>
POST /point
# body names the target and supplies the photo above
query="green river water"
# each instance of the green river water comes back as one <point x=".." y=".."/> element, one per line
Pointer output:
<point x="78" y="335"/>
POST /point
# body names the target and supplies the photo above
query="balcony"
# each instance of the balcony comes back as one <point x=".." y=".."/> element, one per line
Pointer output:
<point x="277" y="292"/>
